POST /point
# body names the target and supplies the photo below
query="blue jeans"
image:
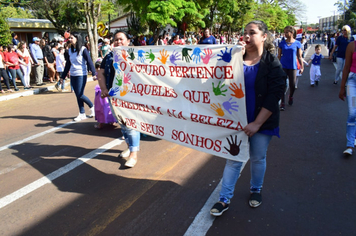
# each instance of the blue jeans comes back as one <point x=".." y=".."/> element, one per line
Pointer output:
<point x="258" y="151"/>
<point x="17" y="72"/>
<point x="351" y="101"/>
<point x="78" y="83"/>
<point x="132" y="138"/>
<point x="340" y="66"/>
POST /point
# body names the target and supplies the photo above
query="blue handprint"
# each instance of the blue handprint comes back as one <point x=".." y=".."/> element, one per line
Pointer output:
<point x="113" y="91"/>
<point x="228" y="105"/>
<point x="117" y="57"/>
<point x="174" y="57"/>
<point x="141" y="57"/>
<point x="226" y="56"/>
<point x="117" y="67"/>
<point x="196" y="55"/>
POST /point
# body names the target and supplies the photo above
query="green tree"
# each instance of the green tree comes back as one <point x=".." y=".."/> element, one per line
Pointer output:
<point x="15" y="12"/>
<point x="5" y="34"/>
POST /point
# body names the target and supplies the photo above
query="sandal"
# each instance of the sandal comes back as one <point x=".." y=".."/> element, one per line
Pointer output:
<point x="218" y="209"/>
<point x="255" y="199"/>
<point x="98" y="126"/>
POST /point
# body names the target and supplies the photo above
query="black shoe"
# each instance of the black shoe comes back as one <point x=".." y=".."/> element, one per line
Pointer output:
<point x="290" y="101"/>
<point x="16" y="89"/>
<point x="218" y="209"/>
<point x="38" y="84"/>
<point x="255" y="199"/>
<point x="43" y="84"/>
<point x="335" y="82"/>
<point x="317" y="83"/>
<point x="312" y="85"/>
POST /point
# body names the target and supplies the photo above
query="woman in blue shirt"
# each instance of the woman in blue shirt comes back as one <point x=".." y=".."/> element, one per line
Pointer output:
<point x="290" y="51"/>
<point x="264" y="86"/>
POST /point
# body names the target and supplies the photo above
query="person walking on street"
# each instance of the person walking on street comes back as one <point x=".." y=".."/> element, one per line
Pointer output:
<point x="37" y="57"/>
<point x="264" y="86"/>
<point x="290" y="51"/>
<point x="77" y="63"/>
<point x="341" y="43"/>
<point x="105" y="79"/>
<point x="349" y="92"/>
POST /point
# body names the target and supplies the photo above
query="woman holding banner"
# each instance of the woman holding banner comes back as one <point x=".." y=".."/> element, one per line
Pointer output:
<point x="264" y="86"/>
<point x="105" y="79"/>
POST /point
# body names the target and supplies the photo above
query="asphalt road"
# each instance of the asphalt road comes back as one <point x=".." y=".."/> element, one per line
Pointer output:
<point x="58" y="177"/>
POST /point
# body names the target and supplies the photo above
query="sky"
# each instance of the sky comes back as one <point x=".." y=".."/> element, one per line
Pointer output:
<point x="318" y="8"/>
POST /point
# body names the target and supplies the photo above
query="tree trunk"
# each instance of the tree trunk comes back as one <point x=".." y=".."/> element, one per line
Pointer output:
<point x="92" y="12"/>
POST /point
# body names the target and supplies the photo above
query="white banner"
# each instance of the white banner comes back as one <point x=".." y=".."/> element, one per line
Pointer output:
<point x="190" y="95"/>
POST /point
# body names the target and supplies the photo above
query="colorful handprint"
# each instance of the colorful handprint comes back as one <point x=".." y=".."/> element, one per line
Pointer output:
<point x="234" y="148"/>
<point x="225" y="56"/>
<point x="174" y="57"/>
<point x="196" y="55"/>
<point x="150" y="55"/>
<point x="117" y="57"/>
<point x="124" y="54"/>
<point x="117" y="67"/>
<point x="141" y="57"/>
<point x="208" y="55"/>
<point x="127" y="78"/>
<point x="228" y="105"/>
<point x="218" y="90"/>
<point x="217" y="108"/>
<point x="118" y="79"/>
<point x="164" y="56"/>
<point x="185" y="54"/>
<point x="131" y="53"/>
<point x="237" y="91"/>
<point x="113" y="91"/>
<point x="124" y="91"/>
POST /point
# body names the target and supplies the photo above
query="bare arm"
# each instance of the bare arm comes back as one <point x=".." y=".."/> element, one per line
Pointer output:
<point x="345" y="73"/>
<point x="254" y="126"/>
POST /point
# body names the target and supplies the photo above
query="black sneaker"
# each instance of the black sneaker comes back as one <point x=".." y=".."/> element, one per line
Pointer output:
<point x="317" y="83"/>
<point x="290" y="101"/>
<point x="282" y="107"/>
<point x="218" y="209"/>
<point x="16" y="89"/>
<point x="255" y="199"/>
<point x="335" y="82"/>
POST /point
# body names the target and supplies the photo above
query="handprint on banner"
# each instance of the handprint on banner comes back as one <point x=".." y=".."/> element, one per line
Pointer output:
<point x="234" y="149"/>
<point x="118" y="79"/>
<point x="218" y="90"/>
<point x="185" y="54"/>
<point x="117" y="67"/>
<point x="150" y="55"/>
<point x="164" y="56"/>
<point x="196" y="55"/>
<point x="131" y="53"/>
<point x="117" y="57"/>
<point x="124" y="91"/>
<point x="127" y="78"/>
<point x="113" y="91"/>
<point x="141" y="57"/>
<point x="124" y="54"/>
<point x="225" y="56"/>
<point x="208" y="55"/>
<point x="174" y="57"/>
<point x="228" y="105"/>
<point x="237" y="91"/>
<point x="217" y="108"/>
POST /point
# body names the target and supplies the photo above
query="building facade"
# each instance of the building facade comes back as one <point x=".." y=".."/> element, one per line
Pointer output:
<point x="329" y="24"/>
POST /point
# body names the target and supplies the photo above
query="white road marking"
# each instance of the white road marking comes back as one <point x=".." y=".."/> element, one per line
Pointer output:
<point x="203" y="221"/>
<point x="35" y="136"/>
<point x="55" y="174"/>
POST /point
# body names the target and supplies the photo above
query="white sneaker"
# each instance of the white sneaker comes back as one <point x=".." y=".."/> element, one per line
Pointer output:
<point x="348" y="151"/>
<point x="64" y="90"/>
<point x="80" y="117"/>
<point x="92" y="112"/>
<point x="125" y="153"/>
<point x="131" y="162"/>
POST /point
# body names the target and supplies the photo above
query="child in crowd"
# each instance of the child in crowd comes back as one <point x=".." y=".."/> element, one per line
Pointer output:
<point x="101" y="105"/>
<point x="315" y="72"/>
<point x="60" y="63"/>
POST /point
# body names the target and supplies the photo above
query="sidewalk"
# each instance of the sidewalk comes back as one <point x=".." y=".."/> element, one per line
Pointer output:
<point x="35" y="90"/>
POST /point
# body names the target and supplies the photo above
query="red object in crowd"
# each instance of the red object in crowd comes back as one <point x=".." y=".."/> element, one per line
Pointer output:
<point x="241" y="38"/>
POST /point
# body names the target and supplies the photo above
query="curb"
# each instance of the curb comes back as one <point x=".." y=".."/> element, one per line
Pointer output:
<point x="34" y="91"/>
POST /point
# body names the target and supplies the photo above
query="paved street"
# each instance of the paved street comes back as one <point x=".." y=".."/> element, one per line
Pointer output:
<point x="60" y="177"/>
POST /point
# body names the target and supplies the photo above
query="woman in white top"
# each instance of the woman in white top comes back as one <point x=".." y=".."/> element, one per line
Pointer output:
<point x="77" y="62"/>
<point x="25" y="63"/>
